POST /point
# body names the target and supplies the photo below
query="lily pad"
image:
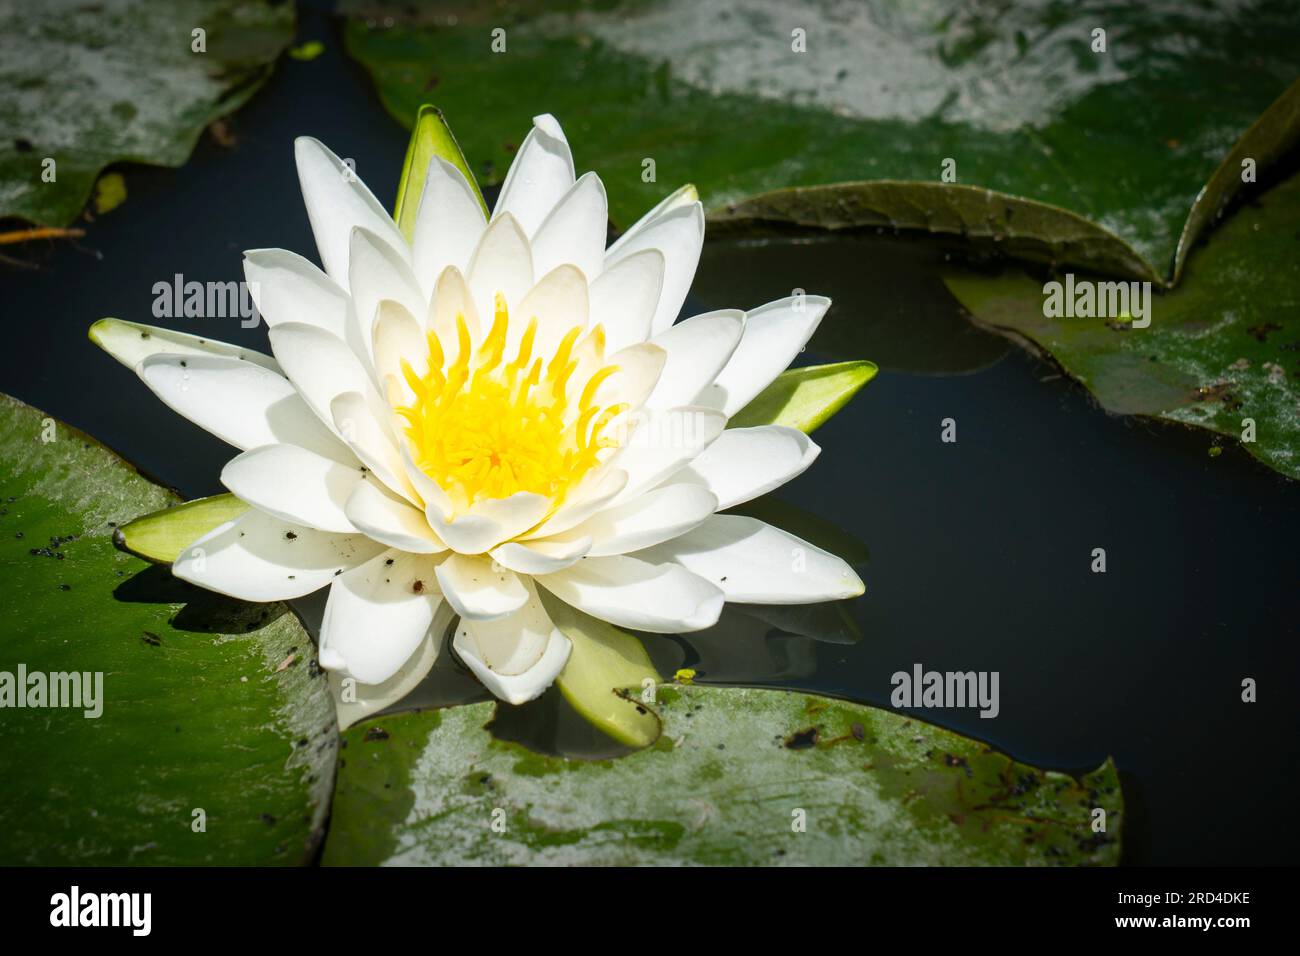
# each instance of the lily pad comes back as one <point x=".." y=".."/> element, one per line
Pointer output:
<point x="1222" y="351"/>
<point x="766" y="94"/>
<point x="1269" y="139"/>
<point x="985" y="222"/>
<point x="207" y="704"/>
<point x="728" y="784"/>
<point x="89" y="84"/>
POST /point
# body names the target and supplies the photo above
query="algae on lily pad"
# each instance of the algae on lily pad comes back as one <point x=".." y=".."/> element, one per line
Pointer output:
<point x="1222" y="351"/>
<point x="1024" y="98"/>
<point x="90" y="84"/>
<point x="738" y="777"/>
<point x="215" y="738"/>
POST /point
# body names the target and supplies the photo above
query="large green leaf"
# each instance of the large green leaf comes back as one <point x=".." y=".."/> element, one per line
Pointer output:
<point x="722" y="786"/>
<point x="89" y="84"/>
<point x="886" y="90"/>
<point x="1220" y="349"/>
<point x="1269" y="139"/>
<point x="986" y="222"/>
<point x="208" y="703"/>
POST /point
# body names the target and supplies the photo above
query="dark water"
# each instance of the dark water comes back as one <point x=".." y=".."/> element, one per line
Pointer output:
<point x="979" y="551"/>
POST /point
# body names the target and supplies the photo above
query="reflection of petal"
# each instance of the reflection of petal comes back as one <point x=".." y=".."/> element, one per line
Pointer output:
<point x="829" y="622"/>
<point x="741" y="649"/>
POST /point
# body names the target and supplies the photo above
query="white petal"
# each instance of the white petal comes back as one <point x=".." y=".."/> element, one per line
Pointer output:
<point x="435" y="500"/>
<point x="131" y="343"/>
<point x="294" y="485"/>
<point x="662" y="599"/>
<point x="354" y="418"/>
<point x="239" y="402"/>
<point x="596" y="489"/>
<point x="516" y="657"/>
<point x="516" y="688"/>
<point x="502" y="263"/>
<point x="541" y="557"/>
<point x="337" y="201"/>
<point x="625" y="296"/>
<point x="478" y="590"/>
<point x="774" y="334"/>
<point x="321" y="367"/>
<point x="658" y="515"/>
<point x="490" y="522"/>
<point x="664" y="441"/>
<point x="378" y="613"/>
<point x="393" y="522"/>
<point x="367" y="699"/>
<point x="679" y="235"/>
<point x="377" y="273"/>
<point x="683" y="196"/>
<point x="559" y="303"/>
<point x="759" y="564"/>
<point x="541" y="173"/>
<point x="258" y="557"/>
<point x="574" y="231"/>
<point x="744" y="463"/>
<point x="698" y="349"/>
<point x="398" y="337"/>
<point x="288" y="288"/>
<point x="451" y="298"/>
<point x="640" y="369"/>
<point x="447" y="226"/>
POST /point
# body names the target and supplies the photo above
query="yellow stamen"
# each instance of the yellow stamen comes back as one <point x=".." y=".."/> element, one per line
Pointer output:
<point x="483" y="427"/>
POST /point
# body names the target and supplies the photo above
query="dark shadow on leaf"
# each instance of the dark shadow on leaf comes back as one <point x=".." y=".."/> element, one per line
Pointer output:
<point x="201" y="611"/>
<point x="548" y="725"/>
<point x="448" y="684"/>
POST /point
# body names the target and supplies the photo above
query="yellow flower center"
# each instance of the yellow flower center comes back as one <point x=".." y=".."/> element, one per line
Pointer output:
<point x="483" y="427"/>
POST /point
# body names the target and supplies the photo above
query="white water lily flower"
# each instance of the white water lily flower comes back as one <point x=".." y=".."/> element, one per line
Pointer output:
<point x="500" y="408"/>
